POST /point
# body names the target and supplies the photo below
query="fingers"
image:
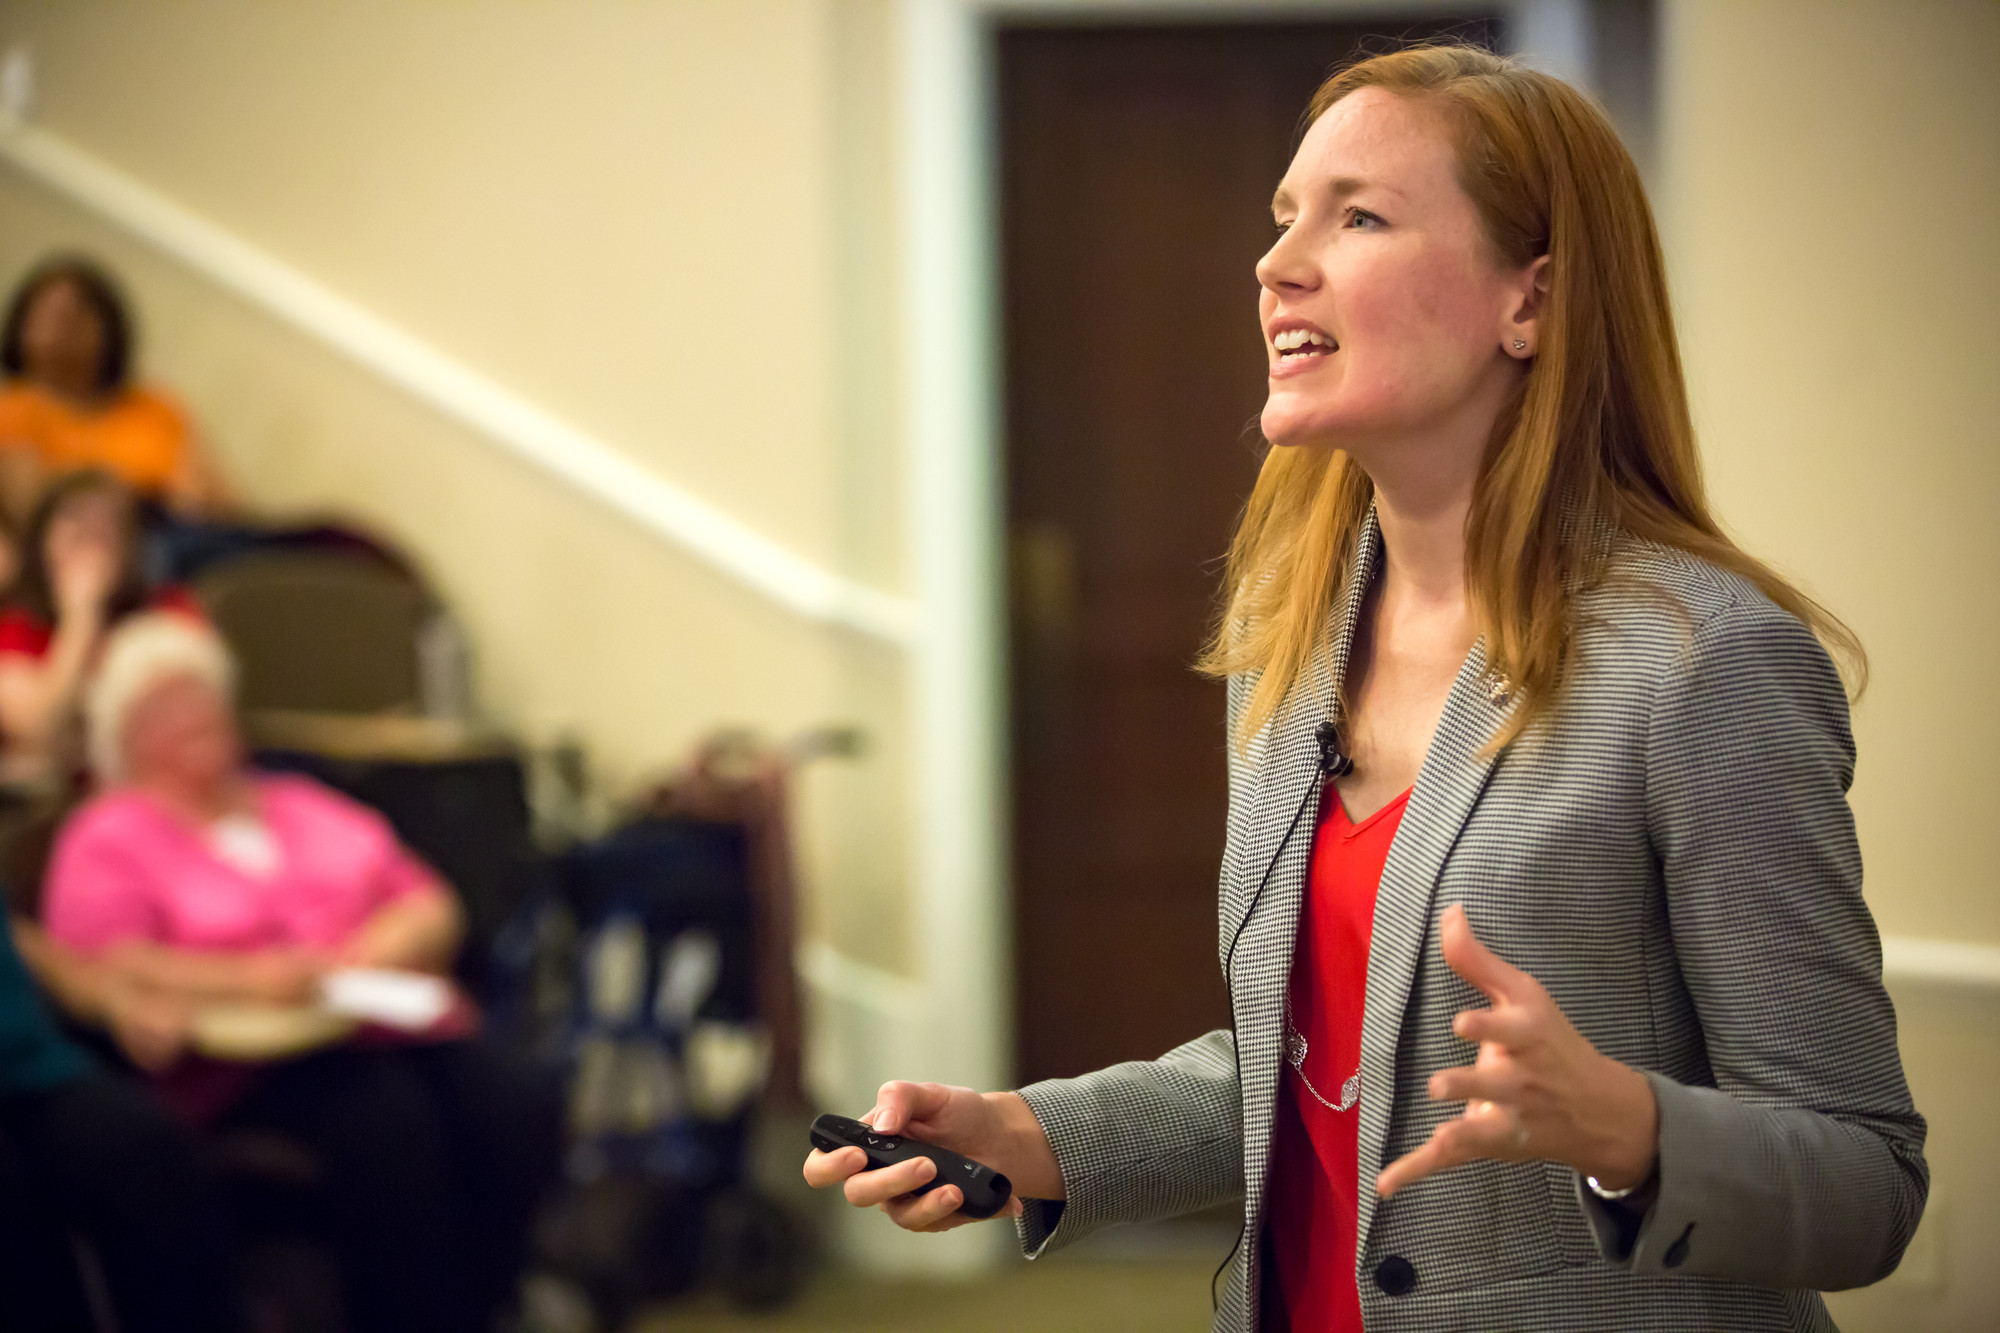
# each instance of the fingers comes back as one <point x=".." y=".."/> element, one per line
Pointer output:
<point x="865" y="1188"/>
<point x="848" y="1167"/>
<point x="869" y="1188"/>
<point x="1513" y="1027"/>
<point x="1493" y="1131"/>
<point x="1467" y="1083"/>
<point x="830" y="1168"/>
<point x="889" y="1189"/>
<point x="1440" y="1153"/>
<point x="899" y="1103"/>
<point x="936" y="1211"/>
<point x="1495" y="977"/>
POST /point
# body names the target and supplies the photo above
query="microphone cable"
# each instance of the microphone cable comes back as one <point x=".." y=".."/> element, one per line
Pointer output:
<point x="1332" y="764"/>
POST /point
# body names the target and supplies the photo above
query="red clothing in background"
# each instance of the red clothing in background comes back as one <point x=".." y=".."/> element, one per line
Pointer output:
<point x="1314" y="1189"/>
<point x="24" y="633"/>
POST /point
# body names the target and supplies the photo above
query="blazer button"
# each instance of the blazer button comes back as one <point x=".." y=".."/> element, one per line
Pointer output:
<point x="1395" y="1276"/>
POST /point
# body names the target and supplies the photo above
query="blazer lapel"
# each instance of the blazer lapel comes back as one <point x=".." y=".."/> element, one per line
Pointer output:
<point x="1453" y="774"/>
<point x="1286" y="760"/>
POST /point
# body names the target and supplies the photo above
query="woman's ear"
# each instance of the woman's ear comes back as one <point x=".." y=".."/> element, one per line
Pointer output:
<point x="1523" y="324"/>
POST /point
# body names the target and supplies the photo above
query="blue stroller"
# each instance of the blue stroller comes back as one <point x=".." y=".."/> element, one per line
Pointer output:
<point x="657" y="970"/>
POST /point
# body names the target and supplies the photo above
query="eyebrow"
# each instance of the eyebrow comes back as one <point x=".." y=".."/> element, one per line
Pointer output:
<point x="1340" y="186"/>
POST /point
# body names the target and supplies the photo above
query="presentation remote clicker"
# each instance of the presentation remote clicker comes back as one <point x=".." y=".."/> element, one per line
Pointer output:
<point x="984" y="1190"/>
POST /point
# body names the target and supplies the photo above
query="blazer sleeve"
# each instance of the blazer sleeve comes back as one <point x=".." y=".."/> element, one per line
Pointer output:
<point x="1803" y="1166"/>
<point x="1138" y="1141"/>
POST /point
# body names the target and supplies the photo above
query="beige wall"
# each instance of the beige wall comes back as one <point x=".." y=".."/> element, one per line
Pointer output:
<point x="665" y="223"/>
<point x="1831" y="200"/>
<point x="623" y="212"/>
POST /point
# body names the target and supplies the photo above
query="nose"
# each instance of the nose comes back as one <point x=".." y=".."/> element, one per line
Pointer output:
<point x="1287" y="266"/>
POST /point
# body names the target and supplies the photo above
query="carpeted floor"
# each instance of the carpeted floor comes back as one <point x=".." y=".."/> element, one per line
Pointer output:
<point x="1154" y="1296"/>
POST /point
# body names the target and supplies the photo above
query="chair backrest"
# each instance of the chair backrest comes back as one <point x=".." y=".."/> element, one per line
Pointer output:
<point x="320" y="631"/>
<point x="27" y="838"/>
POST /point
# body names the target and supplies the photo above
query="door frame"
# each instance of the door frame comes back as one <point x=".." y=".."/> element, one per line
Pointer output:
<point x="951" y="419"/>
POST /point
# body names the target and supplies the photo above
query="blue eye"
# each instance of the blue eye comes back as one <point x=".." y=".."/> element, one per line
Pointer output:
<point x="1358" y="216"/>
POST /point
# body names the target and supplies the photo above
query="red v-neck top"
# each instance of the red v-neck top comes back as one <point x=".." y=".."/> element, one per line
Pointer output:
<point x="1314" y="1186"/>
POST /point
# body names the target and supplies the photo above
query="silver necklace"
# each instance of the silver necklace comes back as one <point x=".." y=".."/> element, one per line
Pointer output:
<point x="1295" y="1055"/>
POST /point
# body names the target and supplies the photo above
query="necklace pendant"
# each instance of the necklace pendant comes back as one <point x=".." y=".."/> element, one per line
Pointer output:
<point x="1295" y="1055"/>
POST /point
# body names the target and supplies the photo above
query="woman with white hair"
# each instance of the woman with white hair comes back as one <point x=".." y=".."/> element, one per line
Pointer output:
<point x="191" y="880"/>
<point x="216" y="883"/>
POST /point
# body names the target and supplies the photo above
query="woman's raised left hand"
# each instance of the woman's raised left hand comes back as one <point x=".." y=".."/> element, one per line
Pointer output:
<point x="1538" y="1091"/>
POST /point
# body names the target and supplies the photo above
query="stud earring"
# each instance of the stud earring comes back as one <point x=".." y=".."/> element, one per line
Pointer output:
<point x="1520" y="346"/>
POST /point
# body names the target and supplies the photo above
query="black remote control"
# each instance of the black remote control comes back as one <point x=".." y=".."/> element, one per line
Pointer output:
<point x="984" y="1190"/>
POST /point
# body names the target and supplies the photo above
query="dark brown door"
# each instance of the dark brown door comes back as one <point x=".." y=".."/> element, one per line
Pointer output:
<point x="1137" y="170"/>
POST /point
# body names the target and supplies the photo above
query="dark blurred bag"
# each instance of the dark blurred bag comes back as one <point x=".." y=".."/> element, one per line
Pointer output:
<point x="735" y="781"/>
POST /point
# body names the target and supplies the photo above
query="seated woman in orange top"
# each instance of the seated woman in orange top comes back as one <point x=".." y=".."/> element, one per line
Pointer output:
<point x="69" y="401"/>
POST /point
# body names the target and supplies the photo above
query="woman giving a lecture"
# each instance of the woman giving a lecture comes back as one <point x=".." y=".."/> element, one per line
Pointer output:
<point x="1556" y="1004"/>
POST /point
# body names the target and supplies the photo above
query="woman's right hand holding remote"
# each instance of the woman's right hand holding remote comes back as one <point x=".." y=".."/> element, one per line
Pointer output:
<point x="996" y="1128"/>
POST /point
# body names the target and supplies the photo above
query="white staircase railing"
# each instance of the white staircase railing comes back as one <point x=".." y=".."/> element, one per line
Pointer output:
<point x="457" y="391"/>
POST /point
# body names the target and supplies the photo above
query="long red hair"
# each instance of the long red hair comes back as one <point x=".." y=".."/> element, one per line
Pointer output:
<point x="1597" y="440"/>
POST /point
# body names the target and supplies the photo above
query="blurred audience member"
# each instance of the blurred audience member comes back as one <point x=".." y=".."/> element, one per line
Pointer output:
<point x="201" y="883"/>
<point x="70" y="401"/>
<point x="85" y="1153"/>
<point x="80" y="575"/>
<point x="10" y="551"/>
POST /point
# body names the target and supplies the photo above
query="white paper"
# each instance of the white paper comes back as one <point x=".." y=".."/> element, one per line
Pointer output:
<point x="407" y="1000"/>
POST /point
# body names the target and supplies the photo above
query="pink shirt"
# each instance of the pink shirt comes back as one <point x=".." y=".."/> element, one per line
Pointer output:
<point x="126" y="869"/>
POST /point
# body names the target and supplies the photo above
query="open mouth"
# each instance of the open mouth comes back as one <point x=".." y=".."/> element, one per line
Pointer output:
<point x="1295" y="346"/>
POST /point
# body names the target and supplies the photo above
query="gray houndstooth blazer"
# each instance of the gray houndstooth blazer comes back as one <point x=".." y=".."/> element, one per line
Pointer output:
<point x="1670" y="852"/>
